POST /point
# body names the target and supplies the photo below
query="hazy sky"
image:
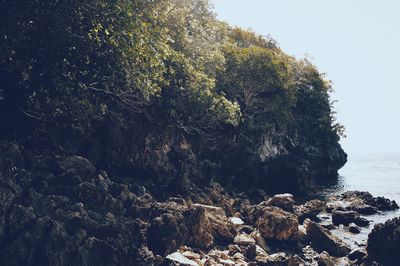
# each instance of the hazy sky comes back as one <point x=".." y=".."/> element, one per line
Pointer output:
<point x="355" y="42"/>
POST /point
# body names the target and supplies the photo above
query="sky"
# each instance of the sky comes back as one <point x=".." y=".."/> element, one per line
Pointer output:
<point x="355" y="42"/>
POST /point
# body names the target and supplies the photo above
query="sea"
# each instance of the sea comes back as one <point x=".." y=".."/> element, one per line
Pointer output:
<point x="377" y="173"/>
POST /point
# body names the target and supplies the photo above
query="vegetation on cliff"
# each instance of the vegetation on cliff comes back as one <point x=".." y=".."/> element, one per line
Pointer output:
<point x="163" y="91"/>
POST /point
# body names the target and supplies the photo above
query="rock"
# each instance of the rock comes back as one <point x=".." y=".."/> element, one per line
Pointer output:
<point x="296" y="261"/>
<point x="277" y="259"/>
<point x="353" y="228"/>
<point x="384" y="243"/>
<point x="214" y="223"/>
<point x="260" y="240"/>
<point x="246" y="229"/>
<point x="359" y="201"/>
<point x="227" y="262"/>
<point x="179" y="258"/>
<point x="302" y="234"/>
<point x="325" y="259"/>
<point x="236" y="221"/>
<point x="168" y="231"/>
<point x="190" y="255"/>
<point x="77" y="165"/>
<point x="310" y="254"/>
<point x="238" y="256"/>
<point x="331" y="206"/>
<point x="275" y="223"/>
<point x="217" y="212"/>
<point x="250" y="252"/>
<point x="260" y="252"/>
<point x="200" y="226"/>
<point x="244" y="239"/>
<point x="328" y="226"/>
<point x="323" y="240"/>
<point x="347" y="217"/>
<point x="283" y="201"/>
<point x="219" y="255"/>
<point x="357" y="254"/>
<point x="255" y="252"/>
<point x="238" y="215"/>
<point x="310" y="209"/>
<point x="234" y="249"/>
<point x="364" y="209"/>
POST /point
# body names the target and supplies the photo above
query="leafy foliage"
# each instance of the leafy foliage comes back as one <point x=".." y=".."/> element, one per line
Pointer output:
<point x="68" y="68"/>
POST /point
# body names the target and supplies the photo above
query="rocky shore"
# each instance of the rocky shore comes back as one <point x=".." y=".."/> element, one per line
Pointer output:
<point x="79" y="215"/>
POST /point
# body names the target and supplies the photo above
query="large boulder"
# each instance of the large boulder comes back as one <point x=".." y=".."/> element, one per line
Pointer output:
<point x="283" y="201"/>
<point x="275" y="223"/>
<point x="364" y="203"/>
<point x="198" y="225"/>
<point x="384" y="243"/>
<point x="323" y="240"/>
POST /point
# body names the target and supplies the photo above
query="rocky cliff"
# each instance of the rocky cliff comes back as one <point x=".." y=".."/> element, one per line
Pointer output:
<point x="67" y="212"/>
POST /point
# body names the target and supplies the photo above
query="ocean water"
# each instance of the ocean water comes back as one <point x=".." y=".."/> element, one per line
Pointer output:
<point x="378" y="174"/>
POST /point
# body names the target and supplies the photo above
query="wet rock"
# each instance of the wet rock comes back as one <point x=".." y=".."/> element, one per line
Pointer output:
<point x="310" y="209"/>
<point x="347" y="217"/>
<point x="323" y="240"/>
<point x="336" y="205"/>
<point x="359" y="201"/>
<point x="275" y="223"/>
<point x="384" y="242"/>
<point x="364" y="209"/>
<point x="353" y="228"/>
<point x="328" y="226"/>
<point x="357" y="254"/>
<point x="283" y="201"/>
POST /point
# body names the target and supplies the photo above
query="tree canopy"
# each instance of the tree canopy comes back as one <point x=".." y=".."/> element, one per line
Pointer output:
<point x="67" y="68"/>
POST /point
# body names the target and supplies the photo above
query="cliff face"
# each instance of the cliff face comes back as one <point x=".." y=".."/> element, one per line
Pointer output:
<point x="169" y="162"/>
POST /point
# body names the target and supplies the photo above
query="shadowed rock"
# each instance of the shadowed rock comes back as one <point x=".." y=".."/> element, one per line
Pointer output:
<point x="384" y="243"/>
<point x="323" y="240"/>
<point x="347" y="217"/>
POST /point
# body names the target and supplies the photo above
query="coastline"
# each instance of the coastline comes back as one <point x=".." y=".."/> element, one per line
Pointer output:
<point x="81" y="215"/>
